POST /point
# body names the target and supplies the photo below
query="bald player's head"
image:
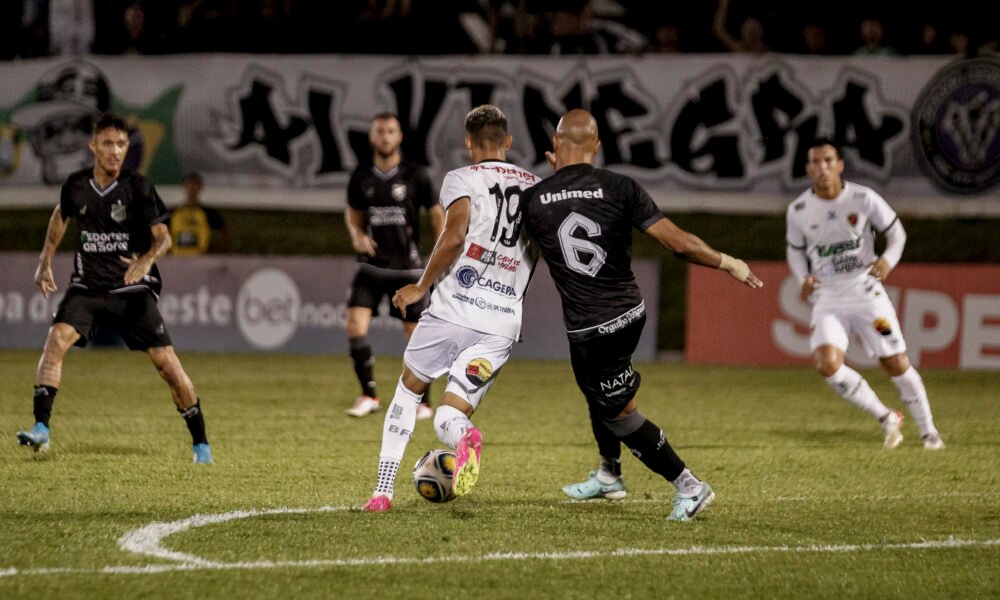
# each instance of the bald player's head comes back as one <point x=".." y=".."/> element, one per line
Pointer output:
<point x="577" y="127"/>
<point x="576" y="138"/>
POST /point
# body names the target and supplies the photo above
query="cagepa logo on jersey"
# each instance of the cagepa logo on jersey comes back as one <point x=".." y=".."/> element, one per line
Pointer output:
<point x="467" y="276"/>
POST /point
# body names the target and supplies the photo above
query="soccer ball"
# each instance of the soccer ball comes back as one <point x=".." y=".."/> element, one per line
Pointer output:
<point x="432" y="475"/>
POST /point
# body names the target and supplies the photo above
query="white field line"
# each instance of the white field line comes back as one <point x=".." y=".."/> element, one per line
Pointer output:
<point x="148" y="541"/>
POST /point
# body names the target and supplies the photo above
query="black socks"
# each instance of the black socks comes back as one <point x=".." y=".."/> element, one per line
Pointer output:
<point x="45" y="395"/>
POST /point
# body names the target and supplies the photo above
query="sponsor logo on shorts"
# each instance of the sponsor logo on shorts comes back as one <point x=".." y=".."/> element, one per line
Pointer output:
<point x="478" y="371"/>
<point x="883" y="327"/>
<point x="620" y="382"/>
<point x="623" y="320"/>
<point x="467" y="276"/>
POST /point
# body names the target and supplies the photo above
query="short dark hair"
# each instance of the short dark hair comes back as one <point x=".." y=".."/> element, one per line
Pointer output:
<point x="110" y="121"/>
<point x="486" y="124"/>
<point x="382" y="116"/>
<point x="825" y="141"/>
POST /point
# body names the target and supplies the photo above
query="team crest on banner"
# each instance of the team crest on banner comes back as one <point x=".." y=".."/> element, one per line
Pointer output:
<point x="956" y="126"/>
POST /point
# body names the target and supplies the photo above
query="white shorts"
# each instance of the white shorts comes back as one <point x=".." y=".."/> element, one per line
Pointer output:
<point x="873" y="322"/>
<point x="471" y="359"/>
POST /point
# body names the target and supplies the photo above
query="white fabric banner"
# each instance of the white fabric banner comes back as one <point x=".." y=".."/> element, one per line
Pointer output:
<point x="704" y="132"/>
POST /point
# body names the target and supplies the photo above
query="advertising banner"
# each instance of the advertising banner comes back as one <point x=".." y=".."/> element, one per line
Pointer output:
<point x="949" y="314"/>
<point x="279" y="304"/>
<point x="725" y="130"/>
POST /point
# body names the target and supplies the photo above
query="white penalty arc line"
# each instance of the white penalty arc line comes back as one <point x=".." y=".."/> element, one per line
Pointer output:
<point x="148" y="541"/>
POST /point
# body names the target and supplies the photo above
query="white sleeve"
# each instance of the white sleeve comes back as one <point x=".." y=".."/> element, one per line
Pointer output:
<point x="798" y="264"/>
<point x="453" y="187"/>
<point x="895" y="240"/>
<point x="795" y="251"/>
<point x="880" y="214"/>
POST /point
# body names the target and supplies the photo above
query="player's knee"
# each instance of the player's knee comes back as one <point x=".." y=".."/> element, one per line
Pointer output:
<point x="897" y="364"/>
<point x="625" y="424"/>
<point x="827" y="362"/>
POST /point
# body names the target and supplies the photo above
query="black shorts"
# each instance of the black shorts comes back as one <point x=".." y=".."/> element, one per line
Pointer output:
<point x="603" y="369"/>
<point x="133" y="315"/>
<point x="370" y="285"/>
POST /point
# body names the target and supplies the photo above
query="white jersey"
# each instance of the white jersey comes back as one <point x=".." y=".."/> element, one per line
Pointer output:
<point x="484" y="288"/>
<point x="838" y="236"/>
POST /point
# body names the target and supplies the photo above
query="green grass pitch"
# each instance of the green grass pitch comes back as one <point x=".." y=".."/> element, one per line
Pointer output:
<point x="808" y="504"/>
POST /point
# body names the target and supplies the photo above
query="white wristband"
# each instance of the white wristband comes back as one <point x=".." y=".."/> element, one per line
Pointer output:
<point x="735" y="267"/>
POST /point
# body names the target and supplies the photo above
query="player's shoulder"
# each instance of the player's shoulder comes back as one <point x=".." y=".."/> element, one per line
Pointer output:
<point x="78" y="178"/>
<point x="412" y="170"/>
<point x="799" y="204"/>
<point x="134" y="179"/>
<point x="857" y="192"/>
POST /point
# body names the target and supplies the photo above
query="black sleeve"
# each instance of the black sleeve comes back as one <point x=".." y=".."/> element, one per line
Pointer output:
<point x="153" y="208"/>
<point x="644" y="210"/>
<point x="355" y="199"/>
<point x="66" y="202"/>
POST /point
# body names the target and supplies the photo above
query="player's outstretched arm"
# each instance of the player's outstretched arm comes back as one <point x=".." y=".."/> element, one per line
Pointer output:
<point x="53" y="236"/>
<point x="694" y="250"/>
<point x="446" y="249"/>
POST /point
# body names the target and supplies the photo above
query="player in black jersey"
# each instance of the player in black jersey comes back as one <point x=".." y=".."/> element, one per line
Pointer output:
<point x="582" y="218"/>
<point x="120" y="235"/>
<point x="383" y="201"/>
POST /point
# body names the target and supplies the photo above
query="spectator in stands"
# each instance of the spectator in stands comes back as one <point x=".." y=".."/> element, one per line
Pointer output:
<point x="666" y="39"/>
<point x="813" y="39"/>
<point x="194" y="227"/>
<point x="930" y="41"/>
<point x="873" y="40"/>
<point x="751" y="32"/>
<point x="575" y="31"/>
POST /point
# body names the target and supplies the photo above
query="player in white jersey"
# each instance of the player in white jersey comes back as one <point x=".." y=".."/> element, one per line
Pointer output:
<point x="480" y="267"/>
<point x="831" y="250"/>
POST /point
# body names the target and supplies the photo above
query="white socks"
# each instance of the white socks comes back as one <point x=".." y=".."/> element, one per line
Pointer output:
<point x="686" y="483"/>
<point x="400" y="419"/>
<point x="914" y="396"/>
<point x="852" y="387"/>
<point x="450" y="424"/>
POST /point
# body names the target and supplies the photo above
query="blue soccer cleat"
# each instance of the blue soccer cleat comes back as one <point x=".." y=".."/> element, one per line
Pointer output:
<point x="594" y="488"/>
<point x="37" y="438"/>
<point x="687" y="506"/>
<point x="202" y="454"/>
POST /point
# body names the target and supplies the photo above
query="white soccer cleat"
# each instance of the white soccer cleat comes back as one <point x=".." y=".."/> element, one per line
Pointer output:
<point x="890" y="429"/>
<point x="364" y="405"/>
<point x="933" y="442"/>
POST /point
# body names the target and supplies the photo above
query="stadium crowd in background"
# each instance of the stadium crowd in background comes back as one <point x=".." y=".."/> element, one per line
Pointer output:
<point x="33" y="28"/>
